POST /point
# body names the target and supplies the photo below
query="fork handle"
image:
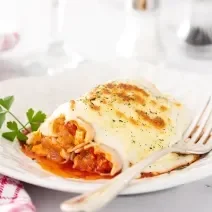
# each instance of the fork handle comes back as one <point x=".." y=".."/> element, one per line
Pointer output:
<point x="95" y="200"/>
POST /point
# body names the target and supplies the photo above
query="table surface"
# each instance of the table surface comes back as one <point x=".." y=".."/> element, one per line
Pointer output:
<point x="193" y="197"/>
<point x="97" y="45"/>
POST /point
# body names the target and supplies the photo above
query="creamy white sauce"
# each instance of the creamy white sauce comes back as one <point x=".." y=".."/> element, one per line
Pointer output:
<point x="131" y="143"/>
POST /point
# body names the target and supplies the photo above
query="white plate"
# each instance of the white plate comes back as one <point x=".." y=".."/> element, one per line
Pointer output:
<point x="47" y="93"/>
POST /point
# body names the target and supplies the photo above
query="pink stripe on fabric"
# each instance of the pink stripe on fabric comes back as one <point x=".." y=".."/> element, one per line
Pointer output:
<point x="17" y="190"/>
<point x="14" y="197"/>
<point x="20" y="207"/>
<point x="2" y="184"/>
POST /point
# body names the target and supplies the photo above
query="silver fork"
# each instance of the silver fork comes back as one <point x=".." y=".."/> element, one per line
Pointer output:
<point x="196" y="140"/>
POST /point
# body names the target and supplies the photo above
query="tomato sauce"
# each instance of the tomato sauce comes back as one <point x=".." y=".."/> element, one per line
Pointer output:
<point x="67" y="171"/>
<point x="64" y="170"/>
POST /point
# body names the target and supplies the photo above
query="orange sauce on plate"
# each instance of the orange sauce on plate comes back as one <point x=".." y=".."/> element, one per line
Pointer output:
<point x="66" y="170"/>
<point x="63" y="170"/>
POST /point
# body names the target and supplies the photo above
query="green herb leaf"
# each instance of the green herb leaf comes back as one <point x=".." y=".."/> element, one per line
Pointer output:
<point x="16" y="127"/>
<point x="35" y="120"/>
<point x="30" y="114"/>
<point x="9" y="135"/>
<point x="21" y="136"/>
<point x="12" y="125"/>
<point x="7" y="102"/>
<point x="15" y="132"/>
<point x="35" y="126"/>
<point x="2" y="118"/>
<point x="39" y="117"/>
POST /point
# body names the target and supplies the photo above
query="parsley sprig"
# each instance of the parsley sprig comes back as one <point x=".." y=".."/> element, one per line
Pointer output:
<point x="16" y="128"/>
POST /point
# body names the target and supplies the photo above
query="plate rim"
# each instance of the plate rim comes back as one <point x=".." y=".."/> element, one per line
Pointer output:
<point x="174" y="179"/>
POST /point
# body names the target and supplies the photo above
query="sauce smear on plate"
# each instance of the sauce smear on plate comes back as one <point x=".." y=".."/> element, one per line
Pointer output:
<point x="64" y="170"/>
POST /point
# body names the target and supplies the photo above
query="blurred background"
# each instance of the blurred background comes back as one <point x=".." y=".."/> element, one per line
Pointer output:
<point x="101" y="30"/>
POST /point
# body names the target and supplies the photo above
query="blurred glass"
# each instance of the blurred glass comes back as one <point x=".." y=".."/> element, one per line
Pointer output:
<point x="195" y="32"/>
<point x="8" y="17"/>
<point x="56" y="58"/>
<point x="173" y="15"/>
<point x="141" y="37"/>
<point x="42" y="50"/>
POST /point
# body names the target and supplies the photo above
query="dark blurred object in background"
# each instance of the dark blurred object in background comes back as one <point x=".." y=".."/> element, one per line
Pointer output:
<point x="196" y="31"/>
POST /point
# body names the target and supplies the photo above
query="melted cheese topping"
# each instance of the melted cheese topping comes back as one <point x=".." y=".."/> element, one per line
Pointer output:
<point x="131" y="117"/>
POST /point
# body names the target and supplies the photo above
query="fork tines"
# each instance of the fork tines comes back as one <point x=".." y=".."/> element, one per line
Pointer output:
<point x="200" y="130"/>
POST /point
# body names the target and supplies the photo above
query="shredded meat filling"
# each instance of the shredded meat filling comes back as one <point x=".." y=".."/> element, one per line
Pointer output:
<point x="54" y="148"/>
<point x="90" y="162"/>
<point x="68" y="136"/>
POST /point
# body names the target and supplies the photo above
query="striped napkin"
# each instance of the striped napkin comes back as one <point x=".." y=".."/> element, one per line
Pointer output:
<point x="13" y="197"/>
